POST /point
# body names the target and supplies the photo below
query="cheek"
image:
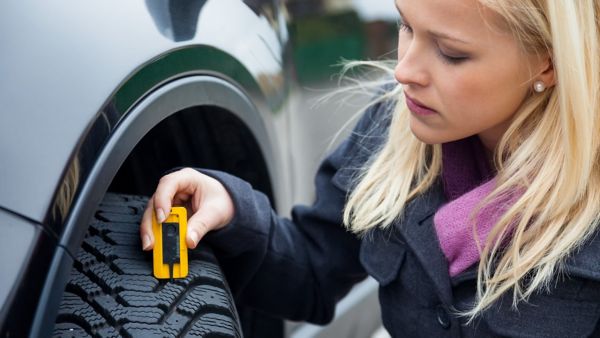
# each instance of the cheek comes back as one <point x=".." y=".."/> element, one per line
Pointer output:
<point x="465" y="90"/>
<point x="479" y="100"/>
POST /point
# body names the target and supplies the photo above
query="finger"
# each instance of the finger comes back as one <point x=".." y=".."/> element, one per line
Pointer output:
<point x="181" y="199"/>
<point x="181" y="181"/>
<point x="146" y="234"/>
<point x="198" y="226"/>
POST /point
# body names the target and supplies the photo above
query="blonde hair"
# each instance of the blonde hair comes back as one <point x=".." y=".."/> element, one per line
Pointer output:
<point x="549" y="154"/>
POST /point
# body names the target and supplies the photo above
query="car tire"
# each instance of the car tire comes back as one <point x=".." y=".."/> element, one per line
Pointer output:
<point x="112" y="292"/>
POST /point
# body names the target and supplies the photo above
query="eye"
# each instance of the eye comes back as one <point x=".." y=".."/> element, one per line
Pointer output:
<point x="403" y="27"/>
<point x="451" y="59"/>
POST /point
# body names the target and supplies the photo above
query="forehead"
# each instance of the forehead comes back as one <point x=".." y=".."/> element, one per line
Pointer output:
<point x="465" y="18"/>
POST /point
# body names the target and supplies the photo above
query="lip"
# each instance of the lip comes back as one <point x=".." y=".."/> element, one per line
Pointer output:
<point x="417" y="107"/>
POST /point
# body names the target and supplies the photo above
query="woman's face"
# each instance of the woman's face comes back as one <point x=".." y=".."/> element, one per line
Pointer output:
<point x="454" y="60"/>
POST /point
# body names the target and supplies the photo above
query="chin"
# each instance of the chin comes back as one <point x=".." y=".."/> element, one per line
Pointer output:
<point x="424" y="134"/>
<point x="430" y="135"/>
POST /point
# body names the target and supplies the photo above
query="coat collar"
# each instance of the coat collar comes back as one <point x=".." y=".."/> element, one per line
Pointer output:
<point x="418" y="230"/>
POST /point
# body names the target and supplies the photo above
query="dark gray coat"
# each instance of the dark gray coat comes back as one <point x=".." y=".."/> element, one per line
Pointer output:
<point x="300" y="268"/>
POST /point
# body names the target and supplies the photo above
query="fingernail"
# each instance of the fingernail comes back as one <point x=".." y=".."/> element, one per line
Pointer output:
<point x="146" y="242"/>
<point x="160" y="215"/>
<point x="194" y="237"/>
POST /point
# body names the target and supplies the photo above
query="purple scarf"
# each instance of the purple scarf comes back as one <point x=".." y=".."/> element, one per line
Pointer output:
<point x="468" y="179"/>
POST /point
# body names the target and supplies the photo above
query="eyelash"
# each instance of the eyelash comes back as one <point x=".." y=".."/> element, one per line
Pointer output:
<point x="402" y="26"/>
<point x="452" y="60"/>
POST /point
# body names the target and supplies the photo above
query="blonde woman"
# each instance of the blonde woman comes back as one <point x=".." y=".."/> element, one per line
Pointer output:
<point x="470" y="191"/>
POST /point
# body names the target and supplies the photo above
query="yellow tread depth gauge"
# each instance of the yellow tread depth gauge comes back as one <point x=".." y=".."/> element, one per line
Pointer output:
<point x="170" y="255"/>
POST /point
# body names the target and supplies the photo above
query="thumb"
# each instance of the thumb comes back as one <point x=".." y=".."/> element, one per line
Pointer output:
<point x="198" y="226"/>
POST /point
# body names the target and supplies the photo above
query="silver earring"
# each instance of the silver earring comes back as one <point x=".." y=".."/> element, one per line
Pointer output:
<point x="539" y="86"/>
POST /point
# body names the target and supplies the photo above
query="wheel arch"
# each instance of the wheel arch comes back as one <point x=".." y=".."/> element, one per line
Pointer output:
<point x="169" y="99"/>
<point x="164" y="101"/>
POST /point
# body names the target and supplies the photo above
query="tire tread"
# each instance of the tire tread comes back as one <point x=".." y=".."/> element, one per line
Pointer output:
<point x="111" y="291"/>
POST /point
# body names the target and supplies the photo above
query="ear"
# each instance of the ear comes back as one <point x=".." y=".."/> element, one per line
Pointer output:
<point x="546" y="72"/>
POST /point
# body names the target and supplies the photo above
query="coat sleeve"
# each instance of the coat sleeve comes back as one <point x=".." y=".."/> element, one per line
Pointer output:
<point x="296" y="268"/>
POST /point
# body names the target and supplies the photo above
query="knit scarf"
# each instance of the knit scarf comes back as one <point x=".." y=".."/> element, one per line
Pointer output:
<point x="467" y="179"/>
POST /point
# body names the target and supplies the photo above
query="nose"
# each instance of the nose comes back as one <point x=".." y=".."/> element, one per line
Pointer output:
<point x="411" y="68"/>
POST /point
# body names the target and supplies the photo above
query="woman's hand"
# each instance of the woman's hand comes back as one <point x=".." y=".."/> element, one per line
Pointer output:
<point x="208" y="204"/>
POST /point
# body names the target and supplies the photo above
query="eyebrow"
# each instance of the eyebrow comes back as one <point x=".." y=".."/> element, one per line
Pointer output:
<point x="440" y="35"/>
